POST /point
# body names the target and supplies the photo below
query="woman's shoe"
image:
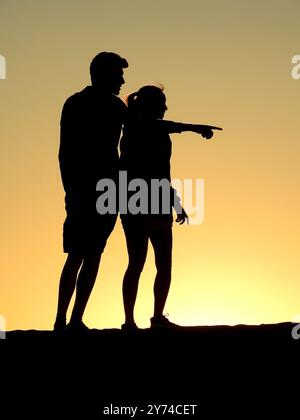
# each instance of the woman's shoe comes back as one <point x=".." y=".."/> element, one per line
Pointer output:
<point x="162" y="322"/>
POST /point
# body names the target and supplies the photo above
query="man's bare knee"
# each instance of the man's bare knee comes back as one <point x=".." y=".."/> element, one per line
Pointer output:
<point x="92" y="259"/>
<point x="74" y="259"/>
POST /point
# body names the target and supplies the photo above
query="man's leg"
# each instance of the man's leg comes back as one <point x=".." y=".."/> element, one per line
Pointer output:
<point x="137" y="245"/>
<point x="85" y="283"/>
<point x="97" y="231"/>
<point x="161" y="240"/>
<point x="66" y="287"/>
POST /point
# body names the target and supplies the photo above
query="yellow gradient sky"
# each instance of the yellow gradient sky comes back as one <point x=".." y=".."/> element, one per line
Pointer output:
<point x="223" y="62"/>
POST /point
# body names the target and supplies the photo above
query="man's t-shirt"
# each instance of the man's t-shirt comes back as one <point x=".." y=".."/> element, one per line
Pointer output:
<point x="91" y="124"/>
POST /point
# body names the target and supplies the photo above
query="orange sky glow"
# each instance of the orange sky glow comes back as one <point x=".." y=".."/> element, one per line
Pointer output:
<point x="224" y="63"/>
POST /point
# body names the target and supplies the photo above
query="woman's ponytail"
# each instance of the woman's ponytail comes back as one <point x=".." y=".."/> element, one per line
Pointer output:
<point x="131" y="102"/>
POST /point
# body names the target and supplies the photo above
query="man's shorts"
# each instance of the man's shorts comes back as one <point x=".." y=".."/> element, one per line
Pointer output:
<point x="86" y="231"/>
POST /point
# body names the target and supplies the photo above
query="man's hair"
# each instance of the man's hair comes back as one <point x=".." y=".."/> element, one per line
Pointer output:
<point x="104" y="62"/>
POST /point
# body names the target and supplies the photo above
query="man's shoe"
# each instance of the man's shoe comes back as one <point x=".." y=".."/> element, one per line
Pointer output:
<point x="77" y="328"/>
<point x="162" y="322"/>
<point x="129" y="327"/>
<point x="59" y="328"/>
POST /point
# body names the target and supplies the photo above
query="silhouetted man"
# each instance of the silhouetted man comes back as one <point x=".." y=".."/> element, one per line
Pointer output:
<point x="91" y="124"/>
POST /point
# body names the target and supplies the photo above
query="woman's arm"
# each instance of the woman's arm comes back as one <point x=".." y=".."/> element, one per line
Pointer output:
<point x="175" y="127"/>
<point x="176" y="204"/>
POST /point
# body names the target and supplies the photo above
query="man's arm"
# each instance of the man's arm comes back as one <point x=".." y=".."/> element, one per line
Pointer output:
<point x="70" y="155"/>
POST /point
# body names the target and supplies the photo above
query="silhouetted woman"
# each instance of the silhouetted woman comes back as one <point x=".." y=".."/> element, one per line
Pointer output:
<point x="145" y="154"/>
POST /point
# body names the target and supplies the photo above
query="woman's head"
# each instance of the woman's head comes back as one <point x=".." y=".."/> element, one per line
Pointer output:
<point x="148" y="101"/>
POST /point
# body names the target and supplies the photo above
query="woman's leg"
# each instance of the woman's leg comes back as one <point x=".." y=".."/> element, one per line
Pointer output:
<point x="137" y="245"/>
<point x="161" y="240"/>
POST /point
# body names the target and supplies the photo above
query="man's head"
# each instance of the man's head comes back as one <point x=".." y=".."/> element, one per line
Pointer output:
<point x="106" y="71"/>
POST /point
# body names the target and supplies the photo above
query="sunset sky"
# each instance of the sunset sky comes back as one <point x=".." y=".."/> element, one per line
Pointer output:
<point x="222" y="62"/>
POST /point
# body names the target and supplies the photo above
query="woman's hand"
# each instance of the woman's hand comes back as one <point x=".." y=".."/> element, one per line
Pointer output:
<point x="182" y="217"/>
<point x="206" y="131"/>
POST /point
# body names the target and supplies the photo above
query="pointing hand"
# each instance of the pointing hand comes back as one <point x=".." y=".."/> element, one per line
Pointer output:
<point x="206" y="131"/>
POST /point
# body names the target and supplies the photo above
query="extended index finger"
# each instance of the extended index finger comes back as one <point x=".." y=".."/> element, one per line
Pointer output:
<point x="212" y="127"/>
